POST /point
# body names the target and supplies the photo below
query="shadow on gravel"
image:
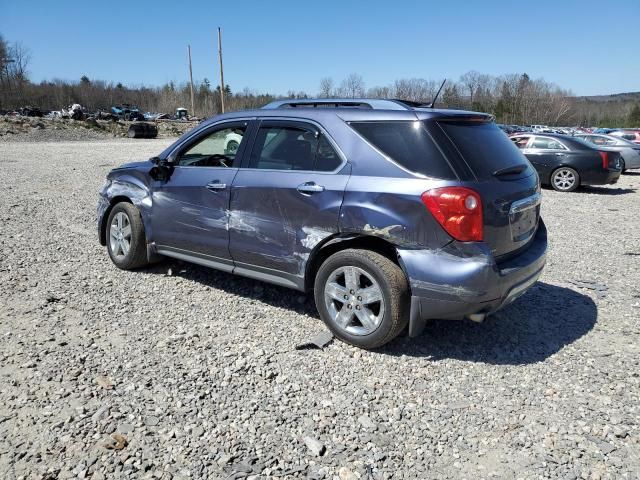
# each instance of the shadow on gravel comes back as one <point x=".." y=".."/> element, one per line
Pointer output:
<point x="606" y="190"/>
<point x="632" y="174"/>
<point x="533" y="328"/>
<point x="234" y="284"/>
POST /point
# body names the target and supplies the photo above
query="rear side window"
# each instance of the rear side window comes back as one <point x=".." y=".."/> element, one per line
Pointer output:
<point x="545" y="143"/>
<point x="484" y="147"/>
<point x="289" y="147"/>
<point x="408" y="144"/>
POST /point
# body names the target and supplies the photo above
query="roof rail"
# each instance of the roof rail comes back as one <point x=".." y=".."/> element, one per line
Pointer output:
<point x="366" y="103"/>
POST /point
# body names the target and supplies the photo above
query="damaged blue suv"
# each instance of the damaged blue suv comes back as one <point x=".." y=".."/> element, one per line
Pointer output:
<point x="390" y="212"/>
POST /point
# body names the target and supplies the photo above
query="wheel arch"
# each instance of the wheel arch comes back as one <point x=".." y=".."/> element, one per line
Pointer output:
<point x="338" y="243"/>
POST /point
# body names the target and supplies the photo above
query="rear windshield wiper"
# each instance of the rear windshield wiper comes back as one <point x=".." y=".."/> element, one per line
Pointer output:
<point x="513" y="170"/>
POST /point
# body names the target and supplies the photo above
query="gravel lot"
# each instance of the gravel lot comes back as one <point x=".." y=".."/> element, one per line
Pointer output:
<point x="182" y="372"/>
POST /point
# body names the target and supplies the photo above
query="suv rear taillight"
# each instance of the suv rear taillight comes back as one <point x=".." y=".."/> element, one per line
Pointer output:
<point x="458" y="210"/>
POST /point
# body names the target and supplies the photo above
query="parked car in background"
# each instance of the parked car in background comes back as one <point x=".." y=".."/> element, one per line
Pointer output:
<point x="390" y="214"/>
<point x="565" y="162"/>
<point x="628" y="134"/>
<point x="629" y="151"/>
<point x="605" y="131"/>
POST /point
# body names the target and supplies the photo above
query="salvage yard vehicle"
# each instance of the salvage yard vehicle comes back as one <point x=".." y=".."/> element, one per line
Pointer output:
<point x="387" y="211"/>
<point x="629" y="151"/>
<point x="565" y="162"/>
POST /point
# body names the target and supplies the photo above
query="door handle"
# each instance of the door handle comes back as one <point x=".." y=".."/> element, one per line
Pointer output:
<point x="216" y="185"/>
<point x="559" y="154"/>
<point x="310" y="187"/>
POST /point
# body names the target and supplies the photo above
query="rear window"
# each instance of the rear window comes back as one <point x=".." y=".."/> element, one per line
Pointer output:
<point x="484" y="147"/>
<point x="408" y="144"/>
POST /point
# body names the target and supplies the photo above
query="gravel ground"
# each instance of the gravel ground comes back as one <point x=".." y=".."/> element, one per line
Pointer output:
<point x="182" y="372"/>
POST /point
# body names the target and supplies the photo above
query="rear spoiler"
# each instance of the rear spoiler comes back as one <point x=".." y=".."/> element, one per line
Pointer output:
<point x="478" y="118"/>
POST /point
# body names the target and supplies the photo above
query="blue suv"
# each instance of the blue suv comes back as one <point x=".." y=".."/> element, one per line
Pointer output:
<point x="390" y="212"/>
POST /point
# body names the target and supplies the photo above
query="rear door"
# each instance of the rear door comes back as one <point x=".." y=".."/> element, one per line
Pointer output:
<point x="285" y="199"/>
<point x="545" y="154"/>
<point x="190" y="210"/>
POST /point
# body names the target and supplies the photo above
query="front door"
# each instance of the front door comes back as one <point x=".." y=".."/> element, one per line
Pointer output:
<point x="190" y="210"/>
<point x="286" y="201"/>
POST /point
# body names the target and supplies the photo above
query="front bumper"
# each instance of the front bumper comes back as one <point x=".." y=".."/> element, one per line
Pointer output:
<point x="464" y="279"/>
<point x="103" y="206"/>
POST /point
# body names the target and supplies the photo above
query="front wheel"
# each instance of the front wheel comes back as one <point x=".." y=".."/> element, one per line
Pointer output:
<point x="565" y="179"/>
<point x="362" y="297"/>
<point x="126" y="241"/>
<point x="623" y="166"/>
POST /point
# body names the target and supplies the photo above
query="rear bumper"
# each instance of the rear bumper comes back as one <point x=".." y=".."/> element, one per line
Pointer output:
<point x="464" y="279"/>
<point x="600" y="177"/>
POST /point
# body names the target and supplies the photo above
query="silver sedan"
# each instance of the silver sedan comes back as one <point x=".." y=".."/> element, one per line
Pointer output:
<point x="629" y="151"/>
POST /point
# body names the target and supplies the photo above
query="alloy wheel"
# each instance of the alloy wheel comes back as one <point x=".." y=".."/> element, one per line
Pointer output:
<point x="120" y="235"/>
<point x="354" y="300"/>
<point x="564" y="179"/>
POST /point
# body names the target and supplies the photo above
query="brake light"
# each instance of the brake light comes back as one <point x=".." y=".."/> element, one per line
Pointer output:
<point x="605" y="160"/>
<point x="458" y="210"/>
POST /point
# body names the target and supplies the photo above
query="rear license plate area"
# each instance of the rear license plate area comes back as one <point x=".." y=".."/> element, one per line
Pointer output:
<point x="523" y="218"/>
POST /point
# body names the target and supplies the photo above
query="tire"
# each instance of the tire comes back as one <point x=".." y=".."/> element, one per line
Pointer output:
<point x="385" y="319"/>
<point x="623" y="166"/>
<point x="565" y="179"/>
<point x="135" y="255"/>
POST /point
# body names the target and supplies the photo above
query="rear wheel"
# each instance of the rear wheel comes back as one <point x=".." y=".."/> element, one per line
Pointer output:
<point x="362" y="297"/>
<point x="126" y="241"/>
<point x="565" y="179"/>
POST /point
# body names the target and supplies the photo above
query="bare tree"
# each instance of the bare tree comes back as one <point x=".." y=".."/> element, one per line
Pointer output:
<point x="353" y="86"/>
<point x="471" y="82"/>
<point x="326" y="87"/>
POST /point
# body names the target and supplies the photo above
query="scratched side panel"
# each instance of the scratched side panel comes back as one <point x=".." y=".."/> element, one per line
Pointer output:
<point x="274" y="226"/>
<point x="391" y="208"/>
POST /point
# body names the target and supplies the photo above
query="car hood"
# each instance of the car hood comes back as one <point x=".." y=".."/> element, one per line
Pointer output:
<point x="134" y="165"/>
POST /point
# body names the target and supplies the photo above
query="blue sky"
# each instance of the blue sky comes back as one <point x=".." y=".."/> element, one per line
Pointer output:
<point x="586" y="46"/>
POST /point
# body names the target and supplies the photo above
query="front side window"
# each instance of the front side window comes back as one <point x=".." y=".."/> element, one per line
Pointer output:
<point x="290" y="147"/>
<point x="217" y="149"/>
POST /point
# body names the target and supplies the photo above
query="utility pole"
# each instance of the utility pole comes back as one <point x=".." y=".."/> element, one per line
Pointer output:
<point x="193" y="108"/>
<point x="221" y="70"/>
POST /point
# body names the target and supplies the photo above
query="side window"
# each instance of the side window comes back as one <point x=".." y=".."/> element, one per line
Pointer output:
<point x="540" y="143"/>
<point x="327" y="159"/>
<point x="289" y="147"/>
<point x="520" y="142"/>
<point x="218" y="149"/>
<point x="547" y="144"/>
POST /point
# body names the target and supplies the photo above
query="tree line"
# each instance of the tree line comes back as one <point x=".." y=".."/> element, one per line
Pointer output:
<point x="512" y="98"/>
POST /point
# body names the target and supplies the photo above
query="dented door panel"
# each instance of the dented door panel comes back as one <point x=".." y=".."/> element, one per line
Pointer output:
<point x="191" y="217"/>
<point x="273" y="225"/>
